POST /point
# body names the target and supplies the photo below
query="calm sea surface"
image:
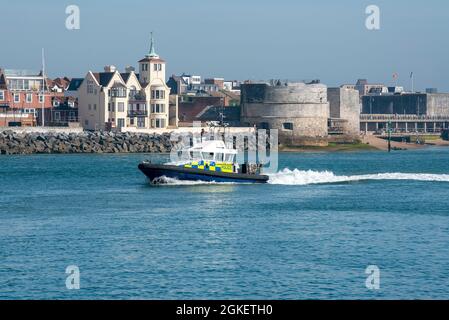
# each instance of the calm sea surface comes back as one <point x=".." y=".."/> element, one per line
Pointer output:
<point x="309" y="235"/>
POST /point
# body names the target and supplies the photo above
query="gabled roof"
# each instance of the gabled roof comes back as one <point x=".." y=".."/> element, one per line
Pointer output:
<point x="125" y="76"/>
<point x="178" y="78"/>
<point x="62" y="82"/>
<point x="118" y="84"/>
<point x="103" y="78"/>
<point x="75" y="84"/>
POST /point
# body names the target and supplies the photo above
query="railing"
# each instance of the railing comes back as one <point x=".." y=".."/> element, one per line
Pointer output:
<point x="399" y="117"/>
<point x="137" y="113"/>
<point x="137" y="97"/>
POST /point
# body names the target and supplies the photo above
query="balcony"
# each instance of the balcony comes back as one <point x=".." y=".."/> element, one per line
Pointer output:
<point x="137" y="113"/>
<point x="137" y="98"/>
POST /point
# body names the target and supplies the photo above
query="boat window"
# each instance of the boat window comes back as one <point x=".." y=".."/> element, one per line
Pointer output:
<point x="230" y="157"/>
<point x="208" y="155"/>
<point x="219" y="157"/>
<point x="195" y="155"/>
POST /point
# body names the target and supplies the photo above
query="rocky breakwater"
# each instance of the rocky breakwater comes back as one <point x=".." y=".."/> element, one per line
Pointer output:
<point x="87" y="142"/>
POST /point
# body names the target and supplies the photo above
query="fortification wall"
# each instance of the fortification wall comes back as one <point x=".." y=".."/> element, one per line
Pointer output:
<point x="299" y="111"/>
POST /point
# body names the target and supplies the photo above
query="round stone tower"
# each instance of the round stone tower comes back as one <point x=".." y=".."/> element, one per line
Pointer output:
<point x="299" y="111"/>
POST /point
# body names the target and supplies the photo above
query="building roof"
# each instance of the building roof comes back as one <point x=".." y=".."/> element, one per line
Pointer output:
<point x="149" y="59"/>
<point x="103" y="78"/>
<point x="224" y="93"/>
<point x="21" y="73"/>
<point x="125" y="76"/>
<point x="152" y="53"/>
<point x="118" y="84"/>
<point x="152" y="56"/>
<point x="75" y="83"/>
<point x="62" y="82"/>
<point x="178" y="78"/>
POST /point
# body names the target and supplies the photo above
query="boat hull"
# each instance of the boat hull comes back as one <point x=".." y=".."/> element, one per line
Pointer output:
<point x="155" y="171"/>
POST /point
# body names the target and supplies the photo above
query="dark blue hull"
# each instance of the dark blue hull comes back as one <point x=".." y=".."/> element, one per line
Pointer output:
<point x="153" y="172"/>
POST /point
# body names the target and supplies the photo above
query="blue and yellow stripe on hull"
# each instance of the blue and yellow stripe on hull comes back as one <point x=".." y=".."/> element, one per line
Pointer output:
<point x="153" y="171"/>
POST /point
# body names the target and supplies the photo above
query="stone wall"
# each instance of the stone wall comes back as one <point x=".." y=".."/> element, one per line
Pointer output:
<point x="438" y="104"/>
<point x="298" y="111"/>
<point x="344" y="104"/>
<point x="85" y="142"/>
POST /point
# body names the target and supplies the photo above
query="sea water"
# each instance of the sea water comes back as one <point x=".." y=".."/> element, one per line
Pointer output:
<point x="310" y="233"/>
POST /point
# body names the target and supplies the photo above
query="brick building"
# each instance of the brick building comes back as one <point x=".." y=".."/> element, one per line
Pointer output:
<point x="21" y="98"/>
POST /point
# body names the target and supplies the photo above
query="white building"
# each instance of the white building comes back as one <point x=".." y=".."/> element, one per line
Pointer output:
<point x="112" y="100"/>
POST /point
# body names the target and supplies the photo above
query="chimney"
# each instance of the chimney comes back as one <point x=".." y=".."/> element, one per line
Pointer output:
<point x="110" y="68"/>
<point x="130" y="69"/>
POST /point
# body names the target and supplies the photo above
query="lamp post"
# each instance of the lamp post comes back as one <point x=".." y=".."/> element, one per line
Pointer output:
<point x="389" y="129"/>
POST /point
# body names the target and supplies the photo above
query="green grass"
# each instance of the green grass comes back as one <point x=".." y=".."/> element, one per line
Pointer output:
<point x="332" y="147"/>
<point x="430" y="137"/>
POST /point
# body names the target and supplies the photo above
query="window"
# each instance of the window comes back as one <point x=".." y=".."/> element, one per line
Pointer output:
<point x="120" y="123"/>
<point x="118" y="92"/>
<point x="95" y="106"/>
<point x="90" y="87"/>
<point x="208" y="155"/>
<point x="2" y="95"/>
<point x="287" y="126"/>
<point x="58" y="116"/>
<point x="157" y="67"/>
<point x="16" y="97"/>
<point x="41" y="98"/>
<point x="157" y="108"/>
<point x="219" y="157"/>
<point x="157" y="94"/>
<point x="121" y="107"/>
<point x="141" y="122"/>
<point x="160" y="123"/>
<point x="90" y="107"/>
<point x="109" y="106"/>
<point x="86" y="122"/>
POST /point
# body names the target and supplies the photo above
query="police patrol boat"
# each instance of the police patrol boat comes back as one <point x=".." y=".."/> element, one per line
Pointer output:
<point x="209" y="161"/>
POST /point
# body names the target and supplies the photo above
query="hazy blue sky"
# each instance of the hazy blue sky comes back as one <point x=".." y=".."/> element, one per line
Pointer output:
<point x="236" y="39"/>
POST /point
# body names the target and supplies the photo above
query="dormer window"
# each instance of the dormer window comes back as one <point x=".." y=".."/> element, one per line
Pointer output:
<point x="117" y="92"/>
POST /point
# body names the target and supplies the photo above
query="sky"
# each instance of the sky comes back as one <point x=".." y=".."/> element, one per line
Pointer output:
<point x="236" y="39"/>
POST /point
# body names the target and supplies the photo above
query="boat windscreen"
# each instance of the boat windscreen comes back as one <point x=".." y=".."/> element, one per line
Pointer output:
<point x="208" y="155"/>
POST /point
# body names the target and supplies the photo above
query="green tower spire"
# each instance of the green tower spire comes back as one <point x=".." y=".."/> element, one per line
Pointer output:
<point x="152" y="52"/>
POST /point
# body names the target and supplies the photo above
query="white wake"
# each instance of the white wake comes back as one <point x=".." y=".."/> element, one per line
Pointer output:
<point x="175" y="182"/>
<point x="298" y="177"/>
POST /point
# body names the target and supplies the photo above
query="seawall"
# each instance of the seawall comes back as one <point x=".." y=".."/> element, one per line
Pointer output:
<point x="13" y="142"/>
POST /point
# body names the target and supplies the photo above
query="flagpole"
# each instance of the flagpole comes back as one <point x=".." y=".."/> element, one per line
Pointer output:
<point x="43" y="88"/>
<point x="413" y="82"/>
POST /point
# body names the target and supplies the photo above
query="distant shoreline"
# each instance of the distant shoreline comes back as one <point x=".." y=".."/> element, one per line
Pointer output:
<point x="364" y="146"/>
